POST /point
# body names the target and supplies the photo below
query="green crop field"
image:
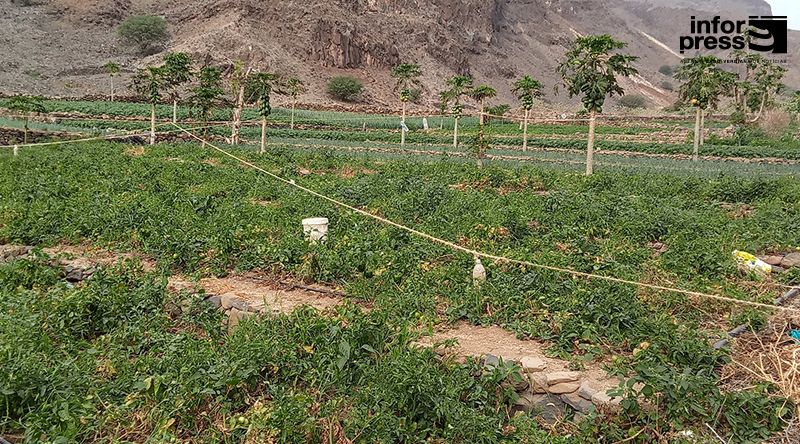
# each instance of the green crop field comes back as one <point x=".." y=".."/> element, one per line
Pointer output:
<point x="103" y="361"/>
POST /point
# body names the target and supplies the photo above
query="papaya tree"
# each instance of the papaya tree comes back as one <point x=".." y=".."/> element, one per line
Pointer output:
<point x="460" y="87"/>
<point x="149" y="83"/>
<point x="177" y="72"/>
<point x="444" y="103"/>
<point x="766" y="84"/>
<point x="208" y="94"/>
<point x="406" y="78"/>
<point x="238" y="79"/>
<point x="258" y="89"/>
<point x="703" y="84"/>
<point x="294" y="87"/>
<point x="527" y="90"/>
<point x="112" y="69"/>
<point x="590" y="71"/>
<point x="25" y="106"/>
<point x="481" y="94"/>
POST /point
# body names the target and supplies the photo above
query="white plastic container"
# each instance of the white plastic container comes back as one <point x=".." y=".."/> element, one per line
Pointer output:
<point x="315" y="229"/>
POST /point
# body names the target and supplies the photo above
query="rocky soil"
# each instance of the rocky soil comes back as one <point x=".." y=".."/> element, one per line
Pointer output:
<point x="58" y="47"/>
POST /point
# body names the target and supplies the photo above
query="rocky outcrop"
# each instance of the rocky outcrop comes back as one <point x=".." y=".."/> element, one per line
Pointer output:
<point x="341" y="45"/>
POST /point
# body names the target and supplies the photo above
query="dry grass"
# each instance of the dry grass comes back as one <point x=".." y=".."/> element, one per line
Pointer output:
<point x="135" y="151"/>
<point x="769" y="356"/>
<point x="775" y="122"/>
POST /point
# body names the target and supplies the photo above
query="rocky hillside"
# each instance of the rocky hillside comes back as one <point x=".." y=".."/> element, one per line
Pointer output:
<point x="57" y="47"/>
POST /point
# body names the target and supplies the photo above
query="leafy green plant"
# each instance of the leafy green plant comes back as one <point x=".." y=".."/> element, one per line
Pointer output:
<point x="146" y="33"/>
<point x="177" y="71"/>
<point x="527" y="90"/>
<point x="112" y="69"/>
<point x="633" y="101"/>
<point x="208" y="94"/>
<point x="258" y="89"/>
<point x="345" y="88"/>
<point x="26" y="105"/>
<point x="590" y="70"/>
<point x="703" y="84"/>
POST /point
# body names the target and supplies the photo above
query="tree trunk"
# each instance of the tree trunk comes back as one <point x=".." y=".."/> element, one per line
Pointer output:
<point x="236" y="124"/>
<point x="25" y="132"/>
<point x="761" y="107"/>
<point x="483" y="108"/>
<point x="590" y="145"/>
<point x="525" y="131"/>
<point x="291" y="124"/>
<point x="263" y="135"/>
<point x="455" y="133"/>
<point x="480" y="145"/>
<point x="174" y="110"/>
<point x="696" y="151"/>
<point x="403" y="127"/>
<point x="702" y="128"/>
<point x="112" y="88"/>
<point x="152" y="124"/>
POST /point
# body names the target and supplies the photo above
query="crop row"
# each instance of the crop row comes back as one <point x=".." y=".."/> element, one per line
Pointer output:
<point x="198" y="212"/>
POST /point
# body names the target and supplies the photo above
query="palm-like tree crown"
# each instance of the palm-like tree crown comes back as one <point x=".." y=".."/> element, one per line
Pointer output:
<point x="527" y="89"/>
<point x="406" y="76"/>
<point x="591" y="69"/>
<point x="483" y="92"/>
<point x="259" y="88"/>
<point x="295" y="87"/>
<point x="111" y="68"/>
<point x="703" y="81"/>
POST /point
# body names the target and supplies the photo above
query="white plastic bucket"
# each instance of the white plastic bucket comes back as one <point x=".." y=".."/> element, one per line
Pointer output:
<point x="316" y="229"/>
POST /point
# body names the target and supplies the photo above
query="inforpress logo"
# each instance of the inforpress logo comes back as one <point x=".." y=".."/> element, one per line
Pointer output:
<point x="730" y="34"/>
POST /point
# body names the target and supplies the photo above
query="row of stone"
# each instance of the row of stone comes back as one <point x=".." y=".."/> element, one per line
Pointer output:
<point x="74" y="270"/>
<point x="550" y="393"/>
<point x="782" y="261"/>
<point x="235" y="308"/>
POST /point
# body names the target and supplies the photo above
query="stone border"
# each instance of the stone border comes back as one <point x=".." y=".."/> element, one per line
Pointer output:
<point x="82" y="268"/>
<point x="551" y="394"/>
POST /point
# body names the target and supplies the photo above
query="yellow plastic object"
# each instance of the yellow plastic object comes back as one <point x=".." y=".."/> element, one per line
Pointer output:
<point x="750" y="262"/>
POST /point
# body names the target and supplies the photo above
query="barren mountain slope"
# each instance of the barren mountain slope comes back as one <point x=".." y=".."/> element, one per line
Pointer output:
<point x="58" y="47"/>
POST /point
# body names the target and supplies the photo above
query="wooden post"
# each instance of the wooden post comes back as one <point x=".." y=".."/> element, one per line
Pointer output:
<point x="525" y="131"/>
<point x="590" y="145"/>
<point x="16" y="150"/>
<point x="174" y="110"/>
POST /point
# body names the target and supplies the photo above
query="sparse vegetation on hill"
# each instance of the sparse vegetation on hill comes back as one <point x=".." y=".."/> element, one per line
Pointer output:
<point x="145" y="33"/>
<point x="345" y="88"/>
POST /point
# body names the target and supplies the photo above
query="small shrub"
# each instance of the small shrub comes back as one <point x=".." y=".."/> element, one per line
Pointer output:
<point x="414" y="95"/>
<point x="147" y="33"/>
<point x="738" y="117"/>
<point x="667" y="86"/>
<point x="666" y="70"/>
<point x="775" y="122"/>
<point x="345" y="88"/>
<point x="633" y="101"/>
<point x="497" y="112"/>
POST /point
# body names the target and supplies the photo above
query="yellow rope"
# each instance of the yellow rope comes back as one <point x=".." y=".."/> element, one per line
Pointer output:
<point x="479" y="253"/>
